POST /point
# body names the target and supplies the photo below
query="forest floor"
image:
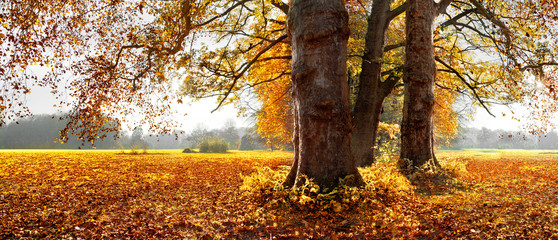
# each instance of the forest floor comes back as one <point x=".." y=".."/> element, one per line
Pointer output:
<point x="105" y="194"/>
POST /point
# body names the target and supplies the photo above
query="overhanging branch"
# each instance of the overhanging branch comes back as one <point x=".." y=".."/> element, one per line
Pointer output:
<point x="442" y="6"/>
<point x="454" y="71"/>
<point x="490" y="16"/>
<point x="281" y="6"/>
<point x="396" y="12"/>
<point x="245" y="68"/>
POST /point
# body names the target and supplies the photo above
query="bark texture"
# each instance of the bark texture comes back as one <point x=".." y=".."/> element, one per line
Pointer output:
<point x="419" y="76"/>
<point x="319" y="33"/>
<point x="372" y="90"/>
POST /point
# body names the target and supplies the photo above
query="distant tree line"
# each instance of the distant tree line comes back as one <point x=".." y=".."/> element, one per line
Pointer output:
<point x="236" y="138"/>
<point x="502" y="139"/>
<point x="42" y="131"/>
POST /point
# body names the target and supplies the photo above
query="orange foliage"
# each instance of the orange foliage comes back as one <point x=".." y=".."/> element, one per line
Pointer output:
<point x="445" y="118"/>
<point x="105" y="194"/>
<point x="275" y="119"/>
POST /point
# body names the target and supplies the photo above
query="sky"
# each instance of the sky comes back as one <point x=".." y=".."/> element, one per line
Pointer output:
<point x="502" y="119"/>
<point x="40" y="101"/>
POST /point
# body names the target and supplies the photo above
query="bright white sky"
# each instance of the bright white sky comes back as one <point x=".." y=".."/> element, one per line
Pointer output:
<point x="41" y="101"/>
<point x="483" y="119"/>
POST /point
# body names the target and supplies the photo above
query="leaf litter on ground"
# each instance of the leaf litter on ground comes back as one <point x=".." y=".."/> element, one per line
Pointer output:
<point x="103" y="194"/>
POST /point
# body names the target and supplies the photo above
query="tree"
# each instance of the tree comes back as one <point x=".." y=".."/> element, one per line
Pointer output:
<point x="197" y="135"/>
<point x="229" y="133"/>
<point x="371" y="89"/>
<point x="137" y="136"/>
<point x="419" y="75"/>
<point x="319" y="32"/>
<point x="41" y="131"/>
<point x="135" y="48"/>
<point x="477" y="27"/>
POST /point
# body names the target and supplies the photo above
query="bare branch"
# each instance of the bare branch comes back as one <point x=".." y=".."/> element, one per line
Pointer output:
<point x="396" y="12"/>
<point x="402" y="44"/>
<point x="275" y="58"/>
<point x="246" y="67"/>
<point x="442" y="6"/>
<point x="490" y="16"/>
<point x="456" y="18"/>
<point x="240" y="3"/>
<point x="538" y="65"/>
<point x="270" y="80"/>
<point x="394" y="46"/>
<point x="282" y="6"/>
<point x="454" y="71"/>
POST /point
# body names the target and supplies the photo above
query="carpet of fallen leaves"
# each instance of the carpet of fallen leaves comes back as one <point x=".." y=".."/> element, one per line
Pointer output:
<point x="169" y="195"/>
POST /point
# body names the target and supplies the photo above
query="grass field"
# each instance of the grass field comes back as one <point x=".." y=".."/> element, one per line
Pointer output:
<point x="167" y="194"/>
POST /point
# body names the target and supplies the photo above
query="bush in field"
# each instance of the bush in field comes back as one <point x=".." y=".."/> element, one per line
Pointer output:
<point x="188" y="150"/>
<point x="204" y="146"/>
<point x="213" y="145"/>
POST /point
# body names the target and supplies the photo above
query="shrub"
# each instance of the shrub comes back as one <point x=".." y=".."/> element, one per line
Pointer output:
<point x="388" y="142"/>
<point x="204" y="146"/>
<point x="218" y="146"/>
<point x="454" y="167"/>
<point x="385" y="185"/>
<point x="386" y="181"/>
<point x="265" y="186"/>
<point x="213" y="146"/>
<point x="188" y="150"/>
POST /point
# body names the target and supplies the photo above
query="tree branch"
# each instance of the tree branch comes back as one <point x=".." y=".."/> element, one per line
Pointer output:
<point x="246" y="67"/>
<point x="396" y="12"/>
<point x="270" y="80"/>
<point x="403" y="44"/>
<point x="389" y="84"/>
<point x="282" y="6"/>
<point x="394" y="46"/>
<point x="456" y="18"/>
<point x="538" y="65"/>
<point x="240" y="3"/>
<point x="275" y="58"/>
<point x="490" y="16"/>
<point x="454" y="71"/>
<point x="442" y="6"/>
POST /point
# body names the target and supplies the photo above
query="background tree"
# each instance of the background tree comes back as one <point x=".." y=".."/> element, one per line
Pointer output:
<point x="372" y="90"/>
<point x="42" y="131"/>
<point x="229" y="133"/>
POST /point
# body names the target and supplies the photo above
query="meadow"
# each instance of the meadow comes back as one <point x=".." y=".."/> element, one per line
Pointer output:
<point x="483" y="194"/>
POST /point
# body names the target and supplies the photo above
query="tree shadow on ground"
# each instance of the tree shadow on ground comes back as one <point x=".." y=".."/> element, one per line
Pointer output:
<point x="437" y="184"/>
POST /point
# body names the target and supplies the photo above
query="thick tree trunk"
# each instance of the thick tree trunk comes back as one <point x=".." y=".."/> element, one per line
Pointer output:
<point x="319" y="33"/>
<point x="372" y="91"/>
<point x="419" y="76"/>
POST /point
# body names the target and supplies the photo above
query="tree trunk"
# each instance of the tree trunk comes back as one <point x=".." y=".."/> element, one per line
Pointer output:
<point x="372" y="91"/>
<point x="419" y="76"/>
<point x="319" y="33"/>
